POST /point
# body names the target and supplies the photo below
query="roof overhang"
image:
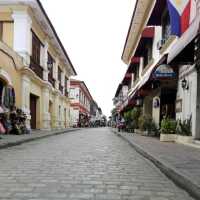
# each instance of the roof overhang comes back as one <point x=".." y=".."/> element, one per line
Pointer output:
<point x="141" y="14"/>
<point x="156" y="15"/>
<point x="118" y="90"/>
<point x="48" y="28"/>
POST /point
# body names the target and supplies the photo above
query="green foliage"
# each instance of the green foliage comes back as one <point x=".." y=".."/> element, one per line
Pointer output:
<point x="184" y="128"/>
<point x="168" y="126"/>
<point x="146" y="123"/>
<point x="131" y="118"/>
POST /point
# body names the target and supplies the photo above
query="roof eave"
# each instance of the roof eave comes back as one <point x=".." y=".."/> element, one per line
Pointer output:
<point x="144" y="8"/>
<point x="57" y="38"/>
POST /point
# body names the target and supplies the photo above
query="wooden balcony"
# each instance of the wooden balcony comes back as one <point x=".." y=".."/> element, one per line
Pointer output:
<point x="36" y="68"/>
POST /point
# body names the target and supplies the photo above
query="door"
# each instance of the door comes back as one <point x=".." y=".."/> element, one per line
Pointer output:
<point x="33" y="111"/>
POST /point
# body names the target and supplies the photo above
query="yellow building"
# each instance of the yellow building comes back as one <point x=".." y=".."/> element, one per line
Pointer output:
<point x="34" y="62"/>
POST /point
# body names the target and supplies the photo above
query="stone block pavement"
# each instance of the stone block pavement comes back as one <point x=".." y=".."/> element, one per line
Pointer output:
<point x="13" y="140"/>
<point x="92" y="164"/>
<point x="179" y="162"/>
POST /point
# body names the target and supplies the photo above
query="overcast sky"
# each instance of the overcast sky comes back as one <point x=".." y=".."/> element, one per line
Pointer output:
<point x="93" y="33"/>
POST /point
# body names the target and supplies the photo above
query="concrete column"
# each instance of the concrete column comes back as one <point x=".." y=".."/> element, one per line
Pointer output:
<point x="26" y="98"/>
<point x="56" y="112"/>
<point x="44" y="61"/>
<point x="22" y="35"/>
<point x="45" y="109"/>
<point x="156" y="110"/>
<point x="141" y="66"/>
<point x="55" y="73"/>
<point x="63" y="82"/>
<point x="63" y="79"/>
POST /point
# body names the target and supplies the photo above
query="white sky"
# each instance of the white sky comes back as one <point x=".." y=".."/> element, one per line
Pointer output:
<point x="93" y="33"/>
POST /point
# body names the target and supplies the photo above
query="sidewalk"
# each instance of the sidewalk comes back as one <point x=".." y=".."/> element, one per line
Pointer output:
<point x="13" y="140"/>
<point x="179" y="162"/>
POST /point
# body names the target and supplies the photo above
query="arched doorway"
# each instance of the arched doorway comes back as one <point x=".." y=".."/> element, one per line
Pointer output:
<point x="3" y="83"/>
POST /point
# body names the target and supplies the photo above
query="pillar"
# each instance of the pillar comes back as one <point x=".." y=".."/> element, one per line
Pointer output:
<point x="45" y="109"/>
<point x="44" y="62"/>
<point x="22" y="42"/>
<point x="26" y="98"/>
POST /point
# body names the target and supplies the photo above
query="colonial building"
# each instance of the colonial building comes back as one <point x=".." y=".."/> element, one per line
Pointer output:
<point x="159" y="50"/>
<point x="81" y="101"/>
<point x="34" y="63"/>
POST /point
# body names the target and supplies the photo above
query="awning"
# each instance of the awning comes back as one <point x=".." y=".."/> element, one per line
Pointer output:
<point x="184" y="40"/>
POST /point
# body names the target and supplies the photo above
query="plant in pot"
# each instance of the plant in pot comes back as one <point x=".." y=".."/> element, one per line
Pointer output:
<point x="168" y="130"/>
<point x="183" y="131"/>
<point x="146" y="124"/>
<point x="136" y="112"/>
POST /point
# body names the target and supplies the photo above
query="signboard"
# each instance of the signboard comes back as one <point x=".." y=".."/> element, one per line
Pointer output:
<point x="164" y="71"/>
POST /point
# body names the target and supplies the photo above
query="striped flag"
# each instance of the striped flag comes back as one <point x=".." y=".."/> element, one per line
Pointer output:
<point x="182" y="13"/>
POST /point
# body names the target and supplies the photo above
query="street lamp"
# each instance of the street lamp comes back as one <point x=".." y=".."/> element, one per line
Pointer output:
<point x="185" y="84"/>
<point x="50" y="65"/>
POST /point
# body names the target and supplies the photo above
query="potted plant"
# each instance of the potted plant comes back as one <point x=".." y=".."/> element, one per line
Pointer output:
<point x="131" y="119"/>
<point x="168" y="130"/>
<point x="183" y="131"/>
<point x="147" y="125"/>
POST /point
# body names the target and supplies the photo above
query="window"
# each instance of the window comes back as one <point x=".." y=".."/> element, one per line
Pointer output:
<point x="166" y="27"/>
<point x="136" y="76"/>
<point x="66" y="86"/>
<point x="36" y="44"/>
<point x="60" y="79"/>
<point x="35" y="58"/>
<point x="72" y="93"/>
<point x="148" y="52"/>
<point x="50" y="63"/>
<point x="59" y="74"/>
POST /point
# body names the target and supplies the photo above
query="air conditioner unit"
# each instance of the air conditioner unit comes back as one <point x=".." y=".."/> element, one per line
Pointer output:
<point x="160" y="44"/>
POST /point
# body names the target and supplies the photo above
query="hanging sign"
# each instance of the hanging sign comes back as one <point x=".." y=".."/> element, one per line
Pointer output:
<point x="164" y="71"/>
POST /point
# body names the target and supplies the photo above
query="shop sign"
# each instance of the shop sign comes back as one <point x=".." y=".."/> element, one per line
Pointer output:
<point x="164" y="71"/>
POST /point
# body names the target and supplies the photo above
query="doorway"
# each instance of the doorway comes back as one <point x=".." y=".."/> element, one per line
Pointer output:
<point x="167" y="108"/>
<point x="33" y="111"/>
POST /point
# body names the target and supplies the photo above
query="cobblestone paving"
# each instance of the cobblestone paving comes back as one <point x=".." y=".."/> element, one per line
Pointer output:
<point x="90" y="164"/>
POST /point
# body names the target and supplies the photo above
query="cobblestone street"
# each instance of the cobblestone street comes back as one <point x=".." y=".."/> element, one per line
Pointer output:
<point x="88" y="164"/>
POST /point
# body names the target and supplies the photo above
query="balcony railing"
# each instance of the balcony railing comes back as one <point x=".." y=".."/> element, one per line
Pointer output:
<point x="36" y="68"/>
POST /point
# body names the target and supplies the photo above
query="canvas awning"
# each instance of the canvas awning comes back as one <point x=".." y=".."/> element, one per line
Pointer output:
<point x="184" y="40"/>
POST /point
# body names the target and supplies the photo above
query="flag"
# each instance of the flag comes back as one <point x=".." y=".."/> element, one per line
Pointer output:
<point x="182" y="13"/>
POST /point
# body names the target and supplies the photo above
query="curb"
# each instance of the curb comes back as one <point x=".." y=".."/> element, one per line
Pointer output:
<point x="182" y="181"/>
<point x="26" y="140"/>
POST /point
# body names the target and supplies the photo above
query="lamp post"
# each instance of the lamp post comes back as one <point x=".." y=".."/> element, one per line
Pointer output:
<point x="50" y="65"/>
<point x="185" y="84"/>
